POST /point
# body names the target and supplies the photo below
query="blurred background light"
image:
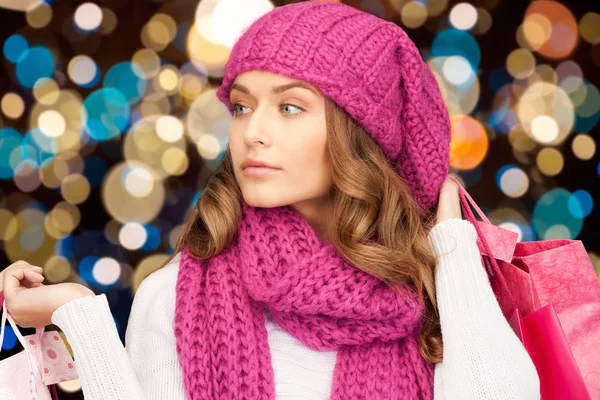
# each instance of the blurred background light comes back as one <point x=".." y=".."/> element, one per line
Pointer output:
<point x="88" y="17"/>
<point x="463" y="16"/>
<point x="110" y="127"/>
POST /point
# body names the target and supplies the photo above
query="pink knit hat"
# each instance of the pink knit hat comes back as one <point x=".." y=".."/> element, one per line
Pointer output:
<point x="370" y="68"/>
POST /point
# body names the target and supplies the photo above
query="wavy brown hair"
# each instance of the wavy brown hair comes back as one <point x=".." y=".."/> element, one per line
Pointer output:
<point x="379" y="226"/>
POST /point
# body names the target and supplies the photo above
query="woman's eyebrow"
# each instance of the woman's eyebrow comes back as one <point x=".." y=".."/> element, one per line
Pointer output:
<point x="275" y="89"/>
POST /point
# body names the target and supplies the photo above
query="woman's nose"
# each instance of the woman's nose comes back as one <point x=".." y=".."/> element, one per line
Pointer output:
<point x="257" y="130"/>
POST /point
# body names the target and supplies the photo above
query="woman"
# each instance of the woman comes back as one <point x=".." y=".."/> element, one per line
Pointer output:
<point x="319" y="254"/>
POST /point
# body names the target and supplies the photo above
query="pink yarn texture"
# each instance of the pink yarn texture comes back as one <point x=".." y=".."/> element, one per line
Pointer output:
<point x="276" y="261"/>
<point x="370" y="68"/>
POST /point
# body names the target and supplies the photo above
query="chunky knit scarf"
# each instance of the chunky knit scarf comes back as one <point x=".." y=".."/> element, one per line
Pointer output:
<point x="276" y="261"/>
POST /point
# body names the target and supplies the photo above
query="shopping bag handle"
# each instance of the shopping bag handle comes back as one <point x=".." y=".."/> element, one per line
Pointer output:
<point x="466" y="201"/>
<point x="39" y="332"/>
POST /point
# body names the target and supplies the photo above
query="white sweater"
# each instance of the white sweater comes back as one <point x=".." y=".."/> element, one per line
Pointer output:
<point x="483" y="358"/>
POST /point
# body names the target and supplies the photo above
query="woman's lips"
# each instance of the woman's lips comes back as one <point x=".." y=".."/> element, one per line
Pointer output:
<point x="259" y="172"/>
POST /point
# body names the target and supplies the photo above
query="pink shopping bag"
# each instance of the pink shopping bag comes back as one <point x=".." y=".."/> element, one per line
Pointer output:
<point x="549" y="293"/>
<point x="544" y="339"/>
<point x="44" y="361"/>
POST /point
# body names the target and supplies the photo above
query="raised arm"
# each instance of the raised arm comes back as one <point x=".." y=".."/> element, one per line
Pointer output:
<point x="483" y="357"/>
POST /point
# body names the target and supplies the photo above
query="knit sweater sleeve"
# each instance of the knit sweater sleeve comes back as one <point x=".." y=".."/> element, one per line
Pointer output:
<point x="147" y="367"/>
<point x="483" y="358"/>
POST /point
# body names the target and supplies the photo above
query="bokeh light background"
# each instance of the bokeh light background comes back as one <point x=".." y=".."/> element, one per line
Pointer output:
<point x="110" y="127"/>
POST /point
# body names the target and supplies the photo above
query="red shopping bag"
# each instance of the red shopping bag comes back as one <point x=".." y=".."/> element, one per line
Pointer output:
<point x="549" y="293"/>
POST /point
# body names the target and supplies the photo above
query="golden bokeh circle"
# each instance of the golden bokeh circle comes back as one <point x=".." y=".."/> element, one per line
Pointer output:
<point x="133" y="192"/>
<point x="143" y="143"/>
<point x="46" y="91"/>
<point x="38" y="15"/>
<point x="75" y="188"/>
<point x="550" y="161"/>
<point x="12" y="105"/>
<point x="57" y="269"/>
<point x="589" y="27"/>
<point x="148" y="62"/>
<point x="520" y="63"/>
<point x="584" y="146"/>
<point x="28" y="239"/>
<point x="413" y="15"/>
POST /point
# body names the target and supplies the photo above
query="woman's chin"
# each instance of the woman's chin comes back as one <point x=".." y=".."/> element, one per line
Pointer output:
<point x="263" y="200"/>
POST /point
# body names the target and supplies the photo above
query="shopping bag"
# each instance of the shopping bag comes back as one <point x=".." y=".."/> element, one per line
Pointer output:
<point x="561" y="273"/>
<point x="44" y="361"/>
<point x="550" y="295"/>
<point x="545" y="342"/>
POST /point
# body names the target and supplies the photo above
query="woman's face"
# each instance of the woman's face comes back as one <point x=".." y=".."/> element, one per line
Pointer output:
<point x="284" y="126"/>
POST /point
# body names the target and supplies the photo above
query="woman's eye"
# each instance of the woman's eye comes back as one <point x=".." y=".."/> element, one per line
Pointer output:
<point x="291" y="106"/>
<point x="235" y="109"/>
<point x="287" y="109"/>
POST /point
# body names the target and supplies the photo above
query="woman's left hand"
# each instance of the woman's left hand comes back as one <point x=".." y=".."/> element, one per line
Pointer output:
<point x="449" y="201"/>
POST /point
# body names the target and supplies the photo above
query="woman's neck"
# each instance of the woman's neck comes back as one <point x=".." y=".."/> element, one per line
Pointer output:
<point x="317" y="212"/>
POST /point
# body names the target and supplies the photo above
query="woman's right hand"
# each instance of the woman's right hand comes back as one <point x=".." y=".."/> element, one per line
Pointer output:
<point x="28" y="301"/>
<point x="29" y="275"/>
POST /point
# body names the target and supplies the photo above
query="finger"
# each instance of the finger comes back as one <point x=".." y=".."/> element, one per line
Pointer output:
<point x="13" y="278"/>
<point x="23" y="263"/>
<point x="19" y="265"/>
<point x="33" y="277"/>
<point x="31" y="284"/>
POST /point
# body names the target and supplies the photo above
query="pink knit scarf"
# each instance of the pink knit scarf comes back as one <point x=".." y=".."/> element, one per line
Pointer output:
<point x="276" y="261"/>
